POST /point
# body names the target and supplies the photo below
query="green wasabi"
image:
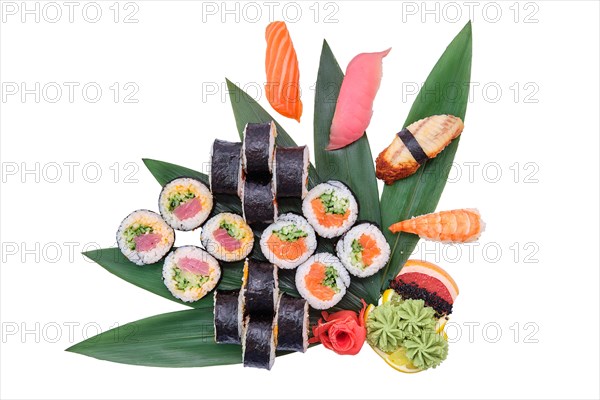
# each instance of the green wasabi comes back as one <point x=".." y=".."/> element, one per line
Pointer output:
<point x="427" y="350"/>
<point x="383" y="328"/>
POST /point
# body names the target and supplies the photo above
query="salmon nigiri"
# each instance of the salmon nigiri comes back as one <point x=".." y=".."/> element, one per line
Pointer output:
<point x="283" y="76"/>
<point x="355" y="103"/>
<point x="455" y="226"/>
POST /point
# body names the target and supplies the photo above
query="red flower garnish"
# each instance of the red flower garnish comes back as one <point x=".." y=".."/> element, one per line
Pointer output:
<point x="343" y="332"/>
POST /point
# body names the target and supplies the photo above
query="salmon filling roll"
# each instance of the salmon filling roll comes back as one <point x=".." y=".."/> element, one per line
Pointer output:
<point x="322" y="280"/>
<point x="288" y="242"/>
<point x="330" y="208"/>
<point x="363" y="250"/>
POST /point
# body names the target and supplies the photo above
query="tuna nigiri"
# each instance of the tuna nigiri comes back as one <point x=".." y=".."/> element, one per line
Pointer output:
<point x="281" y="64"/>
<point x="455" y="226"/>
<point x="355" y="103"/>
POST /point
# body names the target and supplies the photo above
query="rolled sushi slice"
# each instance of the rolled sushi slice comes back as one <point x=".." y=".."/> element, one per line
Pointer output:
<point x="259" y="341"/>
<point x="260" y="288"/>
<point x="290" y="171"/>
<point x="225" y="167"/>
<point x="144" y="237"/>
<point x="288" y="242"/>
<point x="185" y="203"/>
<point x="190" y="273"/>
<point x="258" y="148"/>
<point x="227" y="237"/>
<point x="228" y="316"/>
<point x="330" y="208"/>
<point x="259" y="204"/>
<point x="363" y="250"/>
<point x="322" y="280"/>
<point x="292" y="324"/>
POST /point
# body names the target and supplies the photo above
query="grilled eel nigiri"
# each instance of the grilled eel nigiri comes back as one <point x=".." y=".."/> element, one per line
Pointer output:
<point x="415" y="144"/>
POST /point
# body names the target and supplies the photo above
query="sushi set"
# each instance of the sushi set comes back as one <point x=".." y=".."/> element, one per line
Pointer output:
<point x="301" y="243"/>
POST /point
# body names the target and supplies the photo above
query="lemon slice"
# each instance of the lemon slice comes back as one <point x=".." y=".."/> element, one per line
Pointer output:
<point x="387" y="295"/>
<point x="397" y="360"/>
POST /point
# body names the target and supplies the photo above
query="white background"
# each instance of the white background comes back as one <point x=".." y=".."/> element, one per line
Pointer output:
<point x="175" y="54"/>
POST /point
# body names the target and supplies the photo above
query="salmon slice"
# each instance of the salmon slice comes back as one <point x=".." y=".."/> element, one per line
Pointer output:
<point x="326" y="219"/>
<point x="370" y="249"/>
<point x="283" y="76"/>
<point x="314" y="282"/>
<point x="285" y="250"/>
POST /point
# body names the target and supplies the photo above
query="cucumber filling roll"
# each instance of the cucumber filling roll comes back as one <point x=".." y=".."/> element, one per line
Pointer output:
<point x="190" y="273"/>
<point x="292" y="324"/>
<point x="259" y="341"/>
<point x="322" y="280"/>
<point x="290" y="171"/>
<point x="363" y="250"/>
<point x="185" y="203"/>
<point x="227" y="237"/>
<point x="260" y="288"/>
<point x="258" y="147"/>
<point x="228" y="317"/>
<point x="225" y="167"/>
<point x="144" y="237"/>
<point x="330" y="208"/>
<point x="288" y="242"/>
<point x="258" y="202"/>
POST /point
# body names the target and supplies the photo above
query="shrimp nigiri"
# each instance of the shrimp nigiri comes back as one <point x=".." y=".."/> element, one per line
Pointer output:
<point x="354" y="107"/>
<point x="281" y="64"/>
<point x="455" y="226"/>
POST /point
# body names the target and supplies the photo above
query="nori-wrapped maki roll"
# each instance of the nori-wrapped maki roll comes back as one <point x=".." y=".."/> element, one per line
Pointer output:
<point x="259" y="342"/>
<point x="226" y="167"/>
<point x="258" y="148"/>
<point x="228" y="316"/>
<point x="258" y="202"/>
<point x="292" y="324"/>
<point x="290" y="171"/>
<point x="260" y="288"/>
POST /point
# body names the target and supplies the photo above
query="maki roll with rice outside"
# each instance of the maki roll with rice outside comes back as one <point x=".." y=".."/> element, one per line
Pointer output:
<point x="288" y="242"/>
<point x="322" y="280"/>
<point x="290" y="171"/>
<point x="185" y="203"/>
<point x="227" y="237"/>
<point x="225" y="167"/>
<point x="144" y="237"/>
<point x="363" y="250"/>
<point x="330" y="208"/>
<point x="190" y="273"/>
<point x="258" y="148"/>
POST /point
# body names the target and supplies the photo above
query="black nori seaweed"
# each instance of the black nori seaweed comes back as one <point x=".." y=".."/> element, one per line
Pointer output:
<point x="413" y="146"/>
<point x="260" y="288"/>
<point x="257" y="150"/>
<point x="259" y="202"/>
<point x="290" y="323"/>
<point x="225" y="167"/>
<point x="290" y="170"/>
<point x="226" y="316"/>
<point x="410" y="290"/>
<point x="258" y="341"/>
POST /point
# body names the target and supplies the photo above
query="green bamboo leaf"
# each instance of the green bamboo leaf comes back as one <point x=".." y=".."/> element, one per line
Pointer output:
<point x="446" y="91"/>
<point x="177" y="339"/>
<point x="247" y="110"/>
<point x="149" y="277"/>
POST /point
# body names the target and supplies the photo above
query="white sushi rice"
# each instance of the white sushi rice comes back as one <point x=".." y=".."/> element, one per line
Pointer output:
<point x="214" y="247"/>
<point x="286" y="220"/>
<point x="342" y="280"/>
<point x="158" y="225"/>
<point x="344" y="250"/>
<point x="195" y="293"/>
<point x="341" y="191"/>
<point x="185" y="185"/>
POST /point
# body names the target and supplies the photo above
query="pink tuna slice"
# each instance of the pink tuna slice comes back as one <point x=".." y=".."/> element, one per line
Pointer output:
<point x="188" y="209"/>
<point x="225" y="240"/>
<point x="194" y="265"/>
<point x="147" y="241"/>
<point x="355" y="103"/>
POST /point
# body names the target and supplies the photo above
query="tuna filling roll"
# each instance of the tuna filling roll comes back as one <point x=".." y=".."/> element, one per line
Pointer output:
<point x="260" y="289"/>
<point x="258" y="147"/>
<point x="144" y="237"/>
<point x="290" y="171"/>
<point x="258" y="202"/>
<point x="225" y="167"/>
<point x="185" y="203"/>
<point x="228" y="317"/>
<point x="363" y="250"/>
<point x="259" y="342"/>
<point x="227" y="237"/>
<point x="292" y="324"/>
